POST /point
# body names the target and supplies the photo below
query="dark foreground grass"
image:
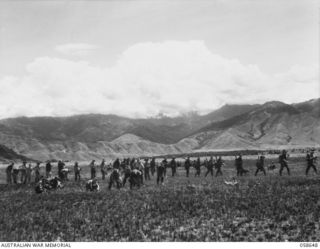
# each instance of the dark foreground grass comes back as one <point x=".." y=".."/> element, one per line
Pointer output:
<point x="195" y="209"/>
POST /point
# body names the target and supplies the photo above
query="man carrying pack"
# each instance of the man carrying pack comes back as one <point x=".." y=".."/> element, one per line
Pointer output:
<point x="283" y="160"/>
<point x="209" y="165"/>
<point x="311" y="162"/>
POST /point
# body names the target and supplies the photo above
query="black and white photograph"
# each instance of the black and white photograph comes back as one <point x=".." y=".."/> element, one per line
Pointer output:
<point x="159" y="121"/>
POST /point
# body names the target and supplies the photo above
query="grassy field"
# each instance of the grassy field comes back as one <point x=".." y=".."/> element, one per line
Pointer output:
<point x="262" y="208"/>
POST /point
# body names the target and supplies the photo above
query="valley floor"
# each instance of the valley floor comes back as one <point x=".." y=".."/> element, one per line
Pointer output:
<point x="262" y="208"/>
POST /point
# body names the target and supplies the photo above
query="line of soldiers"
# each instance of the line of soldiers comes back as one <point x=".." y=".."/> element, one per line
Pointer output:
<point x="148" y="166"/>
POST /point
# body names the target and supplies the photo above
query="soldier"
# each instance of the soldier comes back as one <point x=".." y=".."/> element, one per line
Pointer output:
<point x="60" y="168"/>
<point x="209" y="167"/>
<point x="23" y="170"/>
<point x="219" y="163"/>
<point x="239" y="165"/>
<point x="48" y="169"/>
<point x="116" y="164"/>
<point x="165" y="165"/>
<point x="77" y="170"/>
<point x="260" y="165"/>
<point x="197" y="167"/>
<point x="311" y="161"/>
<point x="15" y="173"/>
<point x="28" y="173"/>
<point x="173" y="165"/>
<point x="9" y="170"/>
<point x="283" y="160"/>
<point x="37" y="172"/>
<point x="92" y="169"/>
<point x="153" y="166"/>
<point x="146" y="169"/>
<point x="103" y="169"/>
<point x="160" y="172"/>
<point x="187" y="165"/>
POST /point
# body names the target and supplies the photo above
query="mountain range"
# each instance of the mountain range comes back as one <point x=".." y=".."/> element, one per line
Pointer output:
<point x="94" y="136"/>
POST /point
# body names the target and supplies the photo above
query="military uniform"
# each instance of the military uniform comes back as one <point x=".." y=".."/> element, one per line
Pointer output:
<point x="160" y="173"/>
<point x="209" y="166"/>
<point x="187" y="165"/>
<point x="173" y="165"/>
<point x="283" y="160"/>
<point x="77" y="170"/>
<point x="153" y="166"/>
<point x="219" y="164"/>
<point x="260" y="165"/>
<point x="198" y="167"/>
<point x="311" y="160"/>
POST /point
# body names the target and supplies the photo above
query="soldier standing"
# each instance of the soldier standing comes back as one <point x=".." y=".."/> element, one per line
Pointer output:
<point x="260" y="165"/>
<point x="60" y="168"/>
<point x="239" y="165"/>
<point x="28" y="173"/>
<point x="173" y="165"/>
<point x="77" y="170"/>
<point x="48" y="169"/>
<point x="160" y="172"/>
<point x="116" y="164"/>
<point x="9" y="170"/>
<point x="311" y="161"/>
<point x="283" y="160"/>
<point x="219" y="164"/>
<point x="23" y="170"/>
<point x="37" y="172"/>
<point x="15" y="173"/>
<point x="209" y="167"/>
<point x="146" y="169"/>
<point x="198" y="167"/>
<point x="165" y="164"/>
<point x="93" y="169"/>
<point x="102" y="169"/>
<point x="187" y="165"/>
<point x="153" y="166"/>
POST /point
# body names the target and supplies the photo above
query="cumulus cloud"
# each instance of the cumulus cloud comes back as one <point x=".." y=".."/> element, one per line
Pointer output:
<point x="149" y="78"/>
<point x="75" y="49"/>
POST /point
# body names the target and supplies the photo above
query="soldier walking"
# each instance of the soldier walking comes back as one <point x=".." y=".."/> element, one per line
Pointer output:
<point x="239" y="165"/>
<point x="198" y="167"/>
<point x="260" y="165"/>
<point x="311" y="162"/>
<point x="60" y="168"/>
<point x="210" y="167"/>
<point x="283" y="160"/>
<point x="219" y="163"/>
<point x="77" y="170"/>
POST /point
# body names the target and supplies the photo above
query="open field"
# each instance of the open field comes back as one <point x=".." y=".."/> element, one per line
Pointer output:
<point x="262" y="208"/>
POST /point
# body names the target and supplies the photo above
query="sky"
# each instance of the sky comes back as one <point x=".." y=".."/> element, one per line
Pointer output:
<point x="144" y="58"/>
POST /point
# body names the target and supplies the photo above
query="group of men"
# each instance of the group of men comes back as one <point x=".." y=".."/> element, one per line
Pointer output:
<point x="149" y="167"/>
<point x="22" y="173"/>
